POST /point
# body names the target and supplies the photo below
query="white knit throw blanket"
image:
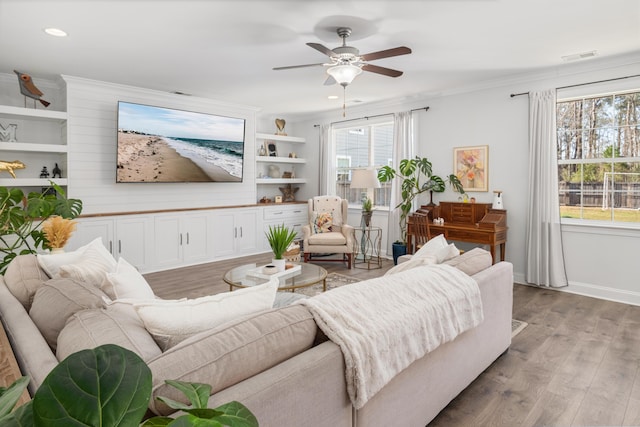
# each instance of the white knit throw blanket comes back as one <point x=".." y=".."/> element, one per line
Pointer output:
<point x="385" y="324"/>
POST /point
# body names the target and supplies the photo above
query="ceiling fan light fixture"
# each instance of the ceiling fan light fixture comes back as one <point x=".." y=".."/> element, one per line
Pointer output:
<point x="344" y="74"/>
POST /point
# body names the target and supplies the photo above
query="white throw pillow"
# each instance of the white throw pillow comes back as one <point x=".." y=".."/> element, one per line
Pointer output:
<point x="171" y="323"/>
<point x="433" y="255"/>
<point x="432" y="246"/>
<point x="51" y="263"/>
<point x="126" y="282"/>
<point x="92" y="266"/>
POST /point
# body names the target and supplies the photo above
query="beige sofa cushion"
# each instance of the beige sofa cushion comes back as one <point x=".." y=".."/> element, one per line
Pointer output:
<point x="233" y="352"/>
<point x="23" y="277"/>
<point x="473" y="261"/>
<point x="328" y="238"/>
<point x="57" y="300"/>
<point x="118" y="325"/>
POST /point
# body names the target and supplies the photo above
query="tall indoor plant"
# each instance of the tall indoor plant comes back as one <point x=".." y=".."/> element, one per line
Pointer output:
<point x="417" y="177"/>
<point x="21" y="217"/>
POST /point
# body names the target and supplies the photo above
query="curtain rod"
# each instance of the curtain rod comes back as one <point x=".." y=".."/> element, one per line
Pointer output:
<point x="582" y="84"/>
<point x="371" y="117"/>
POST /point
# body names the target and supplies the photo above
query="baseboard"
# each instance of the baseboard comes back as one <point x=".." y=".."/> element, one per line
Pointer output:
<point x="594" y="291"/>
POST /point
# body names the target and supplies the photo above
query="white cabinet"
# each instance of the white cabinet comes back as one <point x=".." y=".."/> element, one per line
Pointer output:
<point x="291" y="215"/>
<point x="181" y="239"/>
<point x="40" y="140"/>
<point x="234" y="231"/>
<point x="130" y="237"/>
<point x="281" y="147"/>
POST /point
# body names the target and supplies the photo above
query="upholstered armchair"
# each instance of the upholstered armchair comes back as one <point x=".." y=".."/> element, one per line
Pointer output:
<point x="328" y="231"/>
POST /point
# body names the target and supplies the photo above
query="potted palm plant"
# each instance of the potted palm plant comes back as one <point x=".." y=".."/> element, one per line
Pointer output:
<point x="279" y="237"/>
<point x="367" y="210"/>
<point x="417" y="177"/>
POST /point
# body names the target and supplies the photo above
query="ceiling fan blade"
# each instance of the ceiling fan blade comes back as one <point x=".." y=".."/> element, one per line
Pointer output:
<point x="381" y="70"/>
<point x="323" y="49"/>
<point x="330" y="81"/>
<point x="297" y="66"/>
<point x="396" y="51"/>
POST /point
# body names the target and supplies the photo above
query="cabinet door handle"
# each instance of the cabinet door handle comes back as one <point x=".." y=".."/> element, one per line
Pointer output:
<point x="119" y="246"/>
<point x="297" y="212"/>
<point x="278" y="213"/>
<point x="235" y="232"/>
<point x="180" y="239"/>
<point x="241" y="232"/>
<point x="187" y="238"/>
<point x="111" y="246"/>
<point x="297" y="225"/>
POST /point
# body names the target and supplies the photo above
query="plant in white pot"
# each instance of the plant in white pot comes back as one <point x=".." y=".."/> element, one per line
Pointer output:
<point x="279" y="237"/>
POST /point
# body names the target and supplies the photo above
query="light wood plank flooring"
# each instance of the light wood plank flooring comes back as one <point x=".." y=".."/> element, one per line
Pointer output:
<point x="576" y="364"/>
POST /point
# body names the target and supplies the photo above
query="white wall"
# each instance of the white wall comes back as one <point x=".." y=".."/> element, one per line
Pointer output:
<point x="91" y="127"/>
<point x="600" y="261"/>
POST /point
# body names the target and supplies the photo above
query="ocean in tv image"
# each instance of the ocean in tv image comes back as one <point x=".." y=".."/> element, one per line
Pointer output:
<point x="158" y="144"/>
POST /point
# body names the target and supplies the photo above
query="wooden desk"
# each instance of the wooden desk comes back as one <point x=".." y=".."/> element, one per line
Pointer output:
<point x="467" y="222"/>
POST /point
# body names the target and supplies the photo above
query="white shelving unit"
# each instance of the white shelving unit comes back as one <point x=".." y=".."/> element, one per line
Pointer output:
<point x="284" y="144"/>
<point x="40" y="141"/>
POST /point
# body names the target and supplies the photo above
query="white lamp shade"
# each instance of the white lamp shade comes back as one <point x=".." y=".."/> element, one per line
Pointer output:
<point x="344" y="74"/>
<point x="364" y="178"/>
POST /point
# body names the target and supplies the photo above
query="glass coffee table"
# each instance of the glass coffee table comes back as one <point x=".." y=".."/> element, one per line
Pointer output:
<point x="308" y="275"/>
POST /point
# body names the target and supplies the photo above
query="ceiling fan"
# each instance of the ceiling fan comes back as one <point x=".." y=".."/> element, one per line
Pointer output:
<point x="346" y="62"/>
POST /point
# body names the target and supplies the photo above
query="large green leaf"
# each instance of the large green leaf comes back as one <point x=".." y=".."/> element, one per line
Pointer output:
<point x="9" y="396"/>
<point x="107" y="386"/>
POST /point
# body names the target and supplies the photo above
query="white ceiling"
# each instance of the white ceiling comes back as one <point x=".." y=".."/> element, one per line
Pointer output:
<point x="226" y="49"/>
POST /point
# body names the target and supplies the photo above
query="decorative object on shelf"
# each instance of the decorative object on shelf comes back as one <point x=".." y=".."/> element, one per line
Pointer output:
<point x="288" y="193"/>
<point x="274" y="171"/>
<point x="262" y="151"/>
<point x="11" y="166"/>
<point x="278" y="199"/>
<point x="8" y="134"/>
<point x="272" y="151"/>
<point x="497" y="199"/>
<point x="57" y="172"/>
<point x="22" y="217"/>
<point x="293" y="155"/>
<point x="293" y="172"/>
<point x="287" y="175"/>
<point x="28" y="89"/>
<point x="279" y="238"/>
<point x="471" y="166"/>
<point x="410" y="172"/>
<point x="58" y="231"/>
<point x="265" y="199"/>
<point x="280" y="125"/>
<point x="44" y="173"/>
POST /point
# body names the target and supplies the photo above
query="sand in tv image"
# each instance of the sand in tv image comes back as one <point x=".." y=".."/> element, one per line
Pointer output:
<point x="166" y="145"/>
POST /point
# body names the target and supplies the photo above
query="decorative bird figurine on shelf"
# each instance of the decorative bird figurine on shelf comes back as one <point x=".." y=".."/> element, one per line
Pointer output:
<point x="27" y="88"/>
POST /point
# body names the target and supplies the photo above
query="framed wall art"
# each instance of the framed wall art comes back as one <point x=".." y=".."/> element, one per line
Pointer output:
<point x="272" y="151"/>
<point x="471" y="166"/>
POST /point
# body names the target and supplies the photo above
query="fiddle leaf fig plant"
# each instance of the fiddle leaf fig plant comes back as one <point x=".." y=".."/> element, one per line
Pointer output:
<point x="21" y="217"/>
<point x="417" y="177"/>
<point x="111" y="386"/>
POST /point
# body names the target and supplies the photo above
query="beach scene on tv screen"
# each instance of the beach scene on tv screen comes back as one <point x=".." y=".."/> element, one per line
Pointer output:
<point x="158" y="144"/>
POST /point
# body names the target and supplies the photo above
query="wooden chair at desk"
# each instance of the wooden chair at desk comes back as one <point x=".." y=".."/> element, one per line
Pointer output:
<point x="421" y="229"/>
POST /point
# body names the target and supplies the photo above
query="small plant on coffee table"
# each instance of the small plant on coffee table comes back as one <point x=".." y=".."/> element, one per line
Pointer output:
<point x="280" y="237"/>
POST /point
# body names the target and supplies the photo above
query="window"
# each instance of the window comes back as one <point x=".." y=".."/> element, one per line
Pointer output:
<point x="358" y="146"/>
<point x="599" y="158"/>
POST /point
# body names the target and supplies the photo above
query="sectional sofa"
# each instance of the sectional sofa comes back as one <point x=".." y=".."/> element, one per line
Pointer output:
<point x="277" y="362"/>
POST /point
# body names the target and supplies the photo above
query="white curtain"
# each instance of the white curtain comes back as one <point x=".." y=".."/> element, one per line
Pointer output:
<point x="402" y="149"/>
<point x="324" y="147"/>
<point x="544" y="256"/>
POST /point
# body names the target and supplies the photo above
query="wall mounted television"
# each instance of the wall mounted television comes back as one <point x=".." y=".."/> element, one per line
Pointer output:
<point x="157" y="144"/>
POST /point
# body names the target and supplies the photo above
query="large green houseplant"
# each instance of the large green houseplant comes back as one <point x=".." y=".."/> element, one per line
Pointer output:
<point x="111" y="386"/>
<point x="417" y="177"/>
<point x="21" y="217"/>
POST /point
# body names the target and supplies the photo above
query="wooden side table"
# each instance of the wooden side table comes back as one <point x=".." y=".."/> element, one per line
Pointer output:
<point x="9" y="370"/>
<point x="368" y="244"/>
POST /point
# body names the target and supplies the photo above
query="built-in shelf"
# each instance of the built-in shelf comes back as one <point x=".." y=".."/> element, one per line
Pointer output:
<point x="27" y="146"/>
<point x="281" y="181"/>
<point x="273" y="159"/>
<point x="31" y="182"/>
<point x="283" y="138"/>
<point x="33" y="113"/>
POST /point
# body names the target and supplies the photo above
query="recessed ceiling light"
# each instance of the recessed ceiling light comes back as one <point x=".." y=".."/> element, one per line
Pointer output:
<point x="333" y="97"/>
<point x="56" y="32"/>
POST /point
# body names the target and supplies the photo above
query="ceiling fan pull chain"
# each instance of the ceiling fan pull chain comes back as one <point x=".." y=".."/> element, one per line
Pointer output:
<point x="344" y="101"/>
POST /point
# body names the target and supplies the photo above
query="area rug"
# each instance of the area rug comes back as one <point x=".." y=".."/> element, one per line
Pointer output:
<point x="335" y="280"/>
<point x="517" y="326"/>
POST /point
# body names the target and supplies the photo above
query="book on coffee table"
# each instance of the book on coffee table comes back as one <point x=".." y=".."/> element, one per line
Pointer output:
<point x="290" y="272"/>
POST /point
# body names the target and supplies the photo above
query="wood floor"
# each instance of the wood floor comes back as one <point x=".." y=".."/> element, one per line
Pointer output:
<point x="576" y="364"/>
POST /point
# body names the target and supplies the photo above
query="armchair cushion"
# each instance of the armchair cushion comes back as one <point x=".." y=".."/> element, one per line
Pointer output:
<point x="333" y="238"/>
<point x="321" y="222"/>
